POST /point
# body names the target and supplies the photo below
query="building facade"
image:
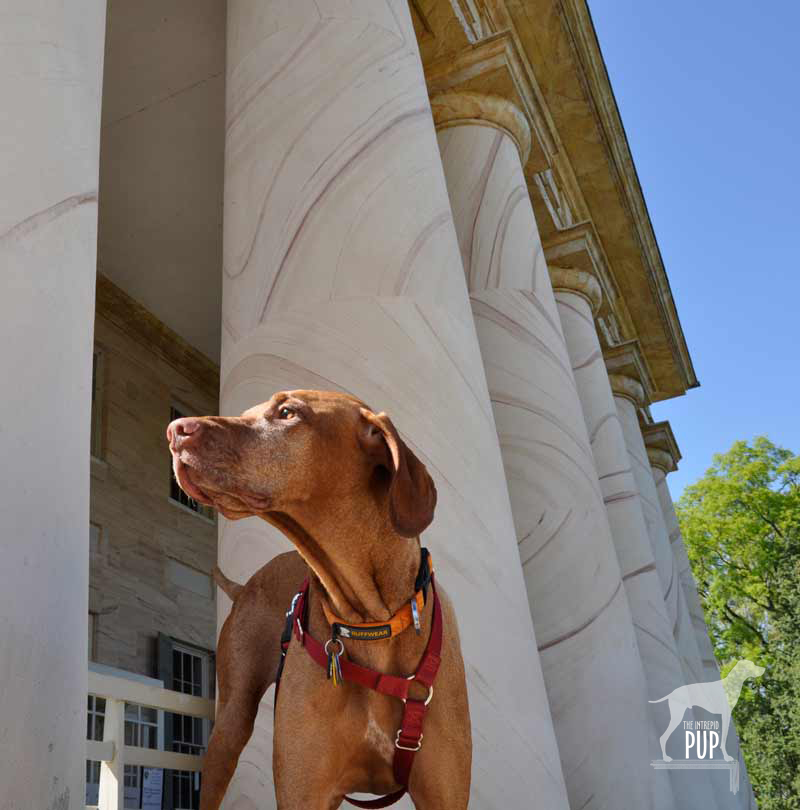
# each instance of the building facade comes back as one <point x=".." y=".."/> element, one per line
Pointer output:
<point x="430" y="204"/>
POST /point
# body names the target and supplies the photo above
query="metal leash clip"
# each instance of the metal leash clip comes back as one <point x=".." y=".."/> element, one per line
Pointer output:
<point x="415" y="616"/>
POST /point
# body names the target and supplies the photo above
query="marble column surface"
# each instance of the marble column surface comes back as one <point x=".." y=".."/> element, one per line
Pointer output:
<point x="51" y="62"/>
<point x="659" y="466"/>
<point x="745" y="799"/>
<point x="342" y="271"/>
<point x="583" y="626"/>
<point x="666" y="566"/>
<point x="628" y="395"/>
<point x="578" y="296"/>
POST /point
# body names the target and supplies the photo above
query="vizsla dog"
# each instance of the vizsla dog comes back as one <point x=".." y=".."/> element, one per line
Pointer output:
<point x="338" y="481"/>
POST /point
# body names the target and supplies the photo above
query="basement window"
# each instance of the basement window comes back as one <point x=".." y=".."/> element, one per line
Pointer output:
<point x="176" y="494"/>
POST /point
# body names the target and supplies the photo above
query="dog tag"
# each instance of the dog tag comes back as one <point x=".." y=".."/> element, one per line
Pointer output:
<point x="334" y="665"/>
<point x="415" y="616"/>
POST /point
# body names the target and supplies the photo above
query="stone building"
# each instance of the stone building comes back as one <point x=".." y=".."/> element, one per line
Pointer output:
<point x="428" y="203"/>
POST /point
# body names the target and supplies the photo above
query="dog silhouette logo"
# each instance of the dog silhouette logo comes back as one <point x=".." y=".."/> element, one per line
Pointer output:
<point x="716" y="697"/>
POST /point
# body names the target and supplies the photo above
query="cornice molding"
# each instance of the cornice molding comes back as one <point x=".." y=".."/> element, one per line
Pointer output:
<point x="468" y="15"/>
<point x="595" y="76"/>
<point x="467" y="107"/>
<point x="138" y="323"/>
<point x="578" y="282"/>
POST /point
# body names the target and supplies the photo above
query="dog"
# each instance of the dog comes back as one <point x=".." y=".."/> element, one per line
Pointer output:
<point x="716" y="697"/>
<point x="336" y="478"/>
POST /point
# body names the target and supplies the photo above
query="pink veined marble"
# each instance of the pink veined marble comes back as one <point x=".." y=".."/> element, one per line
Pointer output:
<point x="584" y="630"/>
<point x="342" y="270"/>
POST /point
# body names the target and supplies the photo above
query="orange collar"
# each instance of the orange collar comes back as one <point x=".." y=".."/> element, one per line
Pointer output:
<point x="407" y="615"/>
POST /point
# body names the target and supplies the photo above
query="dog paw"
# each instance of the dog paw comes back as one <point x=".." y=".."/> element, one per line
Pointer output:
<point x="667" y="759"/>
<point x="727" y="758"/>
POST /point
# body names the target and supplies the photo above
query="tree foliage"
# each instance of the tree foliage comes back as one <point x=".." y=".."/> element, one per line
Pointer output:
<point x="741" y="526"/>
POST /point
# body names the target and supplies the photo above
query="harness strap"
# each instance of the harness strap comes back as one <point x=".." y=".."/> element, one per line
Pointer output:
<point x="409" y="736"/>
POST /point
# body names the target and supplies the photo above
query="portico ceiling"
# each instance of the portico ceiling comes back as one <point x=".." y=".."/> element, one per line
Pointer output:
<point x="162" y="145"/>
<point x="161" y="161"/>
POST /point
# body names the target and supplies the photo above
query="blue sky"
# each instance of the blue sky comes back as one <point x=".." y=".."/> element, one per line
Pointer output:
<point x="709" y="94"/>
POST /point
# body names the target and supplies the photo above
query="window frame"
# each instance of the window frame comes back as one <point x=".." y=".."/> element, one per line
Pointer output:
<point x="205" y="657"/>
<point x="94" y="731"/>
<point x="176" y="496"/>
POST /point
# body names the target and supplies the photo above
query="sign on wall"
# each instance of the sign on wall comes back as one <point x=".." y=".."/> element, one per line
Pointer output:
<point x="152" y="788"/>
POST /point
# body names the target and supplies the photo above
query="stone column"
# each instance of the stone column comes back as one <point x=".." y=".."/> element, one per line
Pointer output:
<point x="628" y="395"/>
<point x="662" y="463"/>
<point x="50" y="77"/>
<point x="342" y="270"/>
<point x="578" y="296"/>
<point x="583" y="626"/>
<point x="628" y="398"/>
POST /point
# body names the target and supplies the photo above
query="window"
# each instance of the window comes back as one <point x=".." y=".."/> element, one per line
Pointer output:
<point x="175" y="492"/>
<point x="95" y="724"/>
<point x="141" y="729"/>
<point x="190" y="675"/>
<point x="96" y="440"/>
<point x="141" y="726"/>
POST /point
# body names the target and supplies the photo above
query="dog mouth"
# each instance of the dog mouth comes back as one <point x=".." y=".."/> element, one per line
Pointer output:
<point x="233" y="506"/>
<point x="186" y="483"/>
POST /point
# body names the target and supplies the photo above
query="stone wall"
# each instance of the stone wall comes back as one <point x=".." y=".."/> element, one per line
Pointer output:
<point x="150" y="558"/>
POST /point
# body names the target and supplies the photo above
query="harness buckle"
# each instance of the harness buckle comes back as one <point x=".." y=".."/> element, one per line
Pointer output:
<point x="407" y="747"/>
<point x="429" y="697"/>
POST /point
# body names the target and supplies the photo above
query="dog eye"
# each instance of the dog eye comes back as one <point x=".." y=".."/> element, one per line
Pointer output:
<point x="286" y="413"/>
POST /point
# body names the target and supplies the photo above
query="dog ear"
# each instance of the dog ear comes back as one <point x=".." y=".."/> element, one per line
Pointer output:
<point x="412" y="493"/>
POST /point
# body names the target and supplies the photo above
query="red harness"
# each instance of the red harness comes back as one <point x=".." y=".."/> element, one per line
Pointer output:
<point x="409" y="736"/>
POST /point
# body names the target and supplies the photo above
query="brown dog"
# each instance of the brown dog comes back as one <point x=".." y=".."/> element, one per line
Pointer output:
<point x="339" y="482"/>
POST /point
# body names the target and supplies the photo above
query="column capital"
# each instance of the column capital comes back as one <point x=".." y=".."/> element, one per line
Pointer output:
<point x="579" y="282"/>
<point x="661" y="460"/>
<point x="454" y="109"/>
<point x="659" y="438"/>
<point x="626" y="359"/>
<point x="628" y="388"/>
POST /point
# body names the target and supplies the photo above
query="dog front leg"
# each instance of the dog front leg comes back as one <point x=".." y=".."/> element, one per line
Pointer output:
<point x="441" y="778"/>
<point x="233" y="727"/>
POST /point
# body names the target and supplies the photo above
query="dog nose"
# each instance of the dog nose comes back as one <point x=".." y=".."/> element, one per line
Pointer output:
<point x="179" y="431"/>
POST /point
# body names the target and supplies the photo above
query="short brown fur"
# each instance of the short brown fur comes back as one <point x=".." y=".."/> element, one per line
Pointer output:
<point x="340" y="483"/>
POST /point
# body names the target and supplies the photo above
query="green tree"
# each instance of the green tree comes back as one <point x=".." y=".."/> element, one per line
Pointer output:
<point x="741" y="526"/>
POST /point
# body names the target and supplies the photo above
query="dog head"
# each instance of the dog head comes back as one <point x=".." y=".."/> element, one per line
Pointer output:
<point x="747" y="669"/>
<point x="302" y="448"/>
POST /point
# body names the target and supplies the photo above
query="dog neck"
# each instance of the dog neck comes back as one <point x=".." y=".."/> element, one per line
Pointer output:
<point x="367" y="570"/>
<point x="733" y="683"/>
